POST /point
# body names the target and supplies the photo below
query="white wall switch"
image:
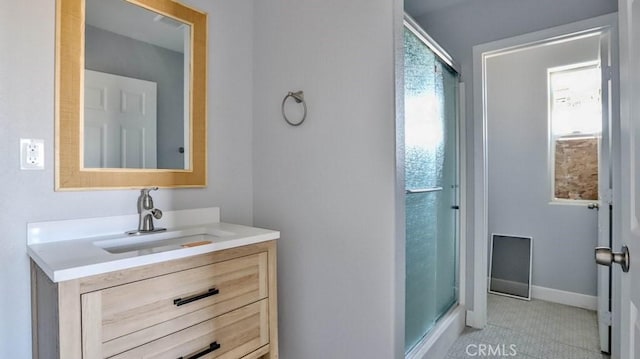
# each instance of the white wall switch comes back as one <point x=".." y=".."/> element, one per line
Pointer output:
<point x="31" y="154"/>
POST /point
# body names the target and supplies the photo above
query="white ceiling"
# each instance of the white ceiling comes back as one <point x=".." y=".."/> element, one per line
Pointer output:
<point x="135" y="22"/>
<point x="417" y="8"/>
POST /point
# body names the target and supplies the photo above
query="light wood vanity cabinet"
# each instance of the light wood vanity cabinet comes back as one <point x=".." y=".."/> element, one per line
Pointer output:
<point x="215" y="305"/>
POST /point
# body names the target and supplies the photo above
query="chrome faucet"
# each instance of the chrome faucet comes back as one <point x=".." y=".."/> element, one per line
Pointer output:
<point x="147" y="212"/>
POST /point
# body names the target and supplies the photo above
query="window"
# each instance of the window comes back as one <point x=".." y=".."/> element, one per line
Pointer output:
<point x="575" y="121"/>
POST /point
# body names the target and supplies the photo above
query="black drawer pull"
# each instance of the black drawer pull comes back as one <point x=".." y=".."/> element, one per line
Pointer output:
<point x="212" y="347"/>
<point x="180" y="301"/>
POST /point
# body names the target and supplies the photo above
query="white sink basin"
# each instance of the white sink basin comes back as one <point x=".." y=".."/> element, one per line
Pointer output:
<point x="76" y="248"/>
<point x="162" y="241"/>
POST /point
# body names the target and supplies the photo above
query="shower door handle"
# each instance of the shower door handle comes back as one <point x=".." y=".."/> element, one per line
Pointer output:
<point x="605" y="257"/>
<point x="423" y="190"/>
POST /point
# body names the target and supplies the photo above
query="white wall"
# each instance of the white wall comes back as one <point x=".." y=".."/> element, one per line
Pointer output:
<point x="328" y="185"/>
<point x="564" y="235"/>
<point x="26" y="110"/>
<point x="459" y="28"/>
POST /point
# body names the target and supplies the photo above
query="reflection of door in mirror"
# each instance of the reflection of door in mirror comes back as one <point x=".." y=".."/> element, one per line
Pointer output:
<point x="130" y="41"/>
<point x="120" y="122"/>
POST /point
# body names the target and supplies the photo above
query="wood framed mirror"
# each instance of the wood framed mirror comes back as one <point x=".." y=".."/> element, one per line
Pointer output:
<point x="131" y="96"/>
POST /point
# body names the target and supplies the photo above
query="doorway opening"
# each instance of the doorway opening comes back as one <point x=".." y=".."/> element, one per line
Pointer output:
<point x="542" y="165"/>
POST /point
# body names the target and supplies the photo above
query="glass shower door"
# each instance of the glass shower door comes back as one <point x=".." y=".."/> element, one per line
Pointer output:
<point x="431" y="183"/>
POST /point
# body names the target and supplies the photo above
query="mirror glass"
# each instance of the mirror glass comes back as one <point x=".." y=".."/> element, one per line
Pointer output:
<point x="136" y="88"/>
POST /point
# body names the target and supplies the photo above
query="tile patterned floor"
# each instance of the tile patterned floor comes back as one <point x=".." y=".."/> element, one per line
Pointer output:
<point x="531" y="329"/>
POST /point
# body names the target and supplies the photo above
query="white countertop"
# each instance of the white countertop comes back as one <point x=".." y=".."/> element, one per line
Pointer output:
<point x="67" y="250"/>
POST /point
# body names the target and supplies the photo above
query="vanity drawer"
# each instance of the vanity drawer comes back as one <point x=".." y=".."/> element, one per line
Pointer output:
<point x="120" y="318"/>
<point x="231" y="335"/>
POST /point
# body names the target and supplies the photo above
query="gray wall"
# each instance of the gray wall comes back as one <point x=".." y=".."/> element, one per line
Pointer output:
<point x="463" y="26"/>
<point x="564" y="235"/>
<point x="328" y="184"/>
<point x="104" y="52"/>
<point x="26" y="111"/>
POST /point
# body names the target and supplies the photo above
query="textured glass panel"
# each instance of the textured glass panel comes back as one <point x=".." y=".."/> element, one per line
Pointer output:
<point x="421" y="262"/>
<point x="576" y="104"/>
<point x="446" y="289"/>
<point x="424" y="132"/>
<point x="576" y="168"/>
<point x="431" y="183"/>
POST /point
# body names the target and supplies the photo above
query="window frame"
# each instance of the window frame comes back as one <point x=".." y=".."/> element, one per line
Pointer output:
<point x="552" y="138"/>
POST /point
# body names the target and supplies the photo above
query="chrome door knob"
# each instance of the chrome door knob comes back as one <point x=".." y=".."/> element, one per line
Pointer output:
<point x="604" y="256"/>
<point x="593" y="206"/>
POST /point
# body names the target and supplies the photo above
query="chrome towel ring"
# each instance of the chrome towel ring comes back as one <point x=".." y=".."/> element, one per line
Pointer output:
<point x="298" y="96"/>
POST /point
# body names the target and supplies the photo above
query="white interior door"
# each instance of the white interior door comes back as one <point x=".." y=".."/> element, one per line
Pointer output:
<point x="626" y="293"/>
<point x="120" y="122"/>
<point x="605" y="195"/>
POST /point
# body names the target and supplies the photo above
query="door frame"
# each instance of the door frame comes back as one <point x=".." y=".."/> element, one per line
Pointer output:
<point x="477" y="317"/>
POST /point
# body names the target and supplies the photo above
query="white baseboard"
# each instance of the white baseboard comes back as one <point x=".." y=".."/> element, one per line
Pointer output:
<point x="437" y="343"/>
<point x="563" y="297"/>
<point x="555" y="296"/>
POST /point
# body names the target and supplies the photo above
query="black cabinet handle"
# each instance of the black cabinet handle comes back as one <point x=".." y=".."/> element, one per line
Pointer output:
<point x="212" y="347"/>
<point x="182" y="301"/>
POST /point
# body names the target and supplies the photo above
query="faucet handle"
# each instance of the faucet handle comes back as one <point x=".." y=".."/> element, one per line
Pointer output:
<point x="157" y="214"/>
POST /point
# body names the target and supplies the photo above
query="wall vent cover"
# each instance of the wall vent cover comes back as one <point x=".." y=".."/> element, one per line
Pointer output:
<point x="510" y="266"/>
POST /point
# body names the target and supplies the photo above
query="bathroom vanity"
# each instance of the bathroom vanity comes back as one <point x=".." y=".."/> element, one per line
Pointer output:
<point x="201" y="289"/>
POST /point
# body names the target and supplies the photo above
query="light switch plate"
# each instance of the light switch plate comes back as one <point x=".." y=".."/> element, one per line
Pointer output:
<point x="31" y="154"/>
